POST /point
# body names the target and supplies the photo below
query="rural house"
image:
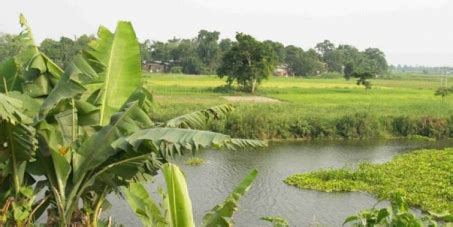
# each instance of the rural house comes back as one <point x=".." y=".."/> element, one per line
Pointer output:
<point x="155" y="66"/>
<point x="282" y="70"/>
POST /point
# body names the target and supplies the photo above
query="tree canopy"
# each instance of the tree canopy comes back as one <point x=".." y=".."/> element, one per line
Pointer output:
<point x="203" y="54"/>
<point x="247" y="63"/>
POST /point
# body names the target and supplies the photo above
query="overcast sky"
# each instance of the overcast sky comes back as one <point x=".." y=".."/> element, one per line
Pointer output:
<point x="415" y="32"/>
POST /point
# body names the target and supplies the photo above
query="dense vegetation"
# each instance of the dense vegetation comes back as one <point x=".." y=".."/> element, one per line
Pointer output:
<point x="71" y="137"/>
<point x="203" y="54"/>
<point x="398" y="214"/>
<point x="314" y="108"/>
<point x="423" y="177"/>
<point x="247" y="63"/>
<point x="82" y="127"/>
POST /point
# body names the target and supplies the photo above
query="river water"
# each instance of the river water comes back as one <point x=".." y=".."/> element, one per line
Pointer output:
<point x="212" y="181"/>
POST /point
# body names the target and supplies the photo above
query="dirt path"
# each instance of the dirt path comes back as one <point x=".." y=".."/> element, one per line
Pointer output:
<point x="253" y="99"/>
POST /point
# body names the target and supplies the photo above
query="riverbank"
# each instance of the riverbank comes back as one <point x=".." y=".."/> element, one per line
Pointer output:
<point x="313" y="108"/>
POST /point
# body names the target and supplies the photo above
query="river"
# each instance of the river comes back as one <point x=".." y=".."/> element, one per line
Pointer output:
<point x="212" y="181"/>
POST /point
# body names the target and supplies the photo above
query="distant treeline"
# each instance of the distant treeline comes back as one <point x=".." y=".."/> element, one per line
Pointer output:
<point x="203" y="54"/>
<point x="421" y="69"/>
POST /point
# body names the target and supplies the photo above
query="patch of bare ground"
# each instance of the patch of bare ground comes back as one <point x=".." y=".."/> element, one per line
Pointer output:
<point x="252" y="99"/>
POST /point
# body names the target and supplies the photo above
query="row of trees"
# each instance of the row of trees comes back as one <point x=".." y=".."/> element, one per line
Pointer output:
<point x="203" y="54"/>
<point x="245" y="61"/>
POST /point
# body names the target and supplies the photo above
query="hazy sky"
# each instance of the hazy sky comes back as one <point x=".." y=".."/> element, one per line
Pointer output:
<point x="408" y="31"/>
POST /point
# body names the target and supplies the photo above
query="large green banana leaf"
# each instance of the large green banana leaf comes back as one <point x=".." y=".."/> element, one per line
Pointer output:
<point x="177" y="205"/>
<point x="198" y="119"/>
<point x="30" y="71"/>
<point x="16" y="136"/>
<point x="178" y="200"/>
<point x="170" y="141"/>
<point x="144" y="206"/>
<point x="9" y="79"/>
<point x="97" y="149"/>
<point x="36" y="74"/>
<point x="105" y="75"/>
<point x="119" y="53"/>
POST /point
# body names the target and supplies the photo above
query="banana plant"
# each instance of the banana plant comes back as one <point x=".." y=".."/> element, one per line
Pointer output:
<point x="17" y="147"/>
<point x="90" y="129"/>
<point x="176" y="208"/>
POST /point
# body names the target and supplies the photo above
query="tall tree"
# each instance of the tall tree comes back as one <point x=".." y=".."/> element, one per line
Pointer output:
<point x="303" y="63"/>
<point x="225" y="45"/>
<point x="279" y="49"/>
<point x="248" y="62"/>
<point x="363" y="70"/>
<point x="325" y="47"/>
<point x="377" y="60"/>
<point x="208" y="48"/>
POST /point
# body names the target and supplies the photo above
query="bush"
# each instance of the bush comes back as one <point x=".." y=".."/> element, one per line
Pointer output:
<point x="176" y="69"/>
<point x="403" y="126"/>
<point x="359" y="125"/>
<point x="432" y="127"/>
<point x="300" y="129"/>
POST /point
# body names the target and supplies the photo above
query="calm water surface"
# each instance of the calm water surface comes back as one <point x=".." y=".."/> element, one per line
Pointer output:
<point x="212" y="181"/>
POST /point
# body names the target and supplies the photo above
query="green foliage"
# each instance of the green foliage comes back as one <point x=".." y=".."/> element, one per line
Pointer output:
<point x="177" y="200"/>
<point x="276" y="221"/>
<point x="361" y="125"/>
<point x="303" y="63"/>
<point x="176" y="209"/>
<point x="18" y="146"/>
<point x="64" y="50"/>
<point x="398" y="214"/>
<point x="208" y="49"/>
<point x="93" y="129"/>
<point x="247" y="63"/>
<point x="9" y="46"/>
<point x="443" y="92"/>
<point x="143" y="205"/>
<point x="194" y="161"/>
<point x="422" y="177"/>
<point x="199" y="119"/>
<point x="311" y="108"/>
<point x="221" y="215"/>
<point x="176" y="69"/>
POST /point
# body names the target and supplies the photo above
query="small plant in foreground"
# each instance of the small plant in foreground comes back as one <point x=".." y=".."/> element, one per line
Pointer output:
<point x="397" y="215"/>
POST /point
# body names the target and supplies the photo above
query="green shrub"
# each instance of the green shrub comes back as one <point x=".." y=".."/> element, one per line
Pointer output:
<point x="300" y="129"/>
<point x="432" y="127"/>
<point x="176" y="69"/>
<point x="360" y="125"/>
<point x="403" y="126"/>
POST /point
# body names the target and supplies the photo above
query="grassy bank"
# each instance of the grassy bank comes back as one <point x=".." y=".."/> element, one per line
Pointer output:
<point x="422" y="177"/>
<point x="314" y="107"/>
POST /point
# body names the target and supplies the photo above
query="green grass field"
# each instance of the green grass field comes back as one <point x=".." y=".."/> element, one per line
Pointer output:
<point x="313" y="104"/>
<point x="310" y="97"/>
